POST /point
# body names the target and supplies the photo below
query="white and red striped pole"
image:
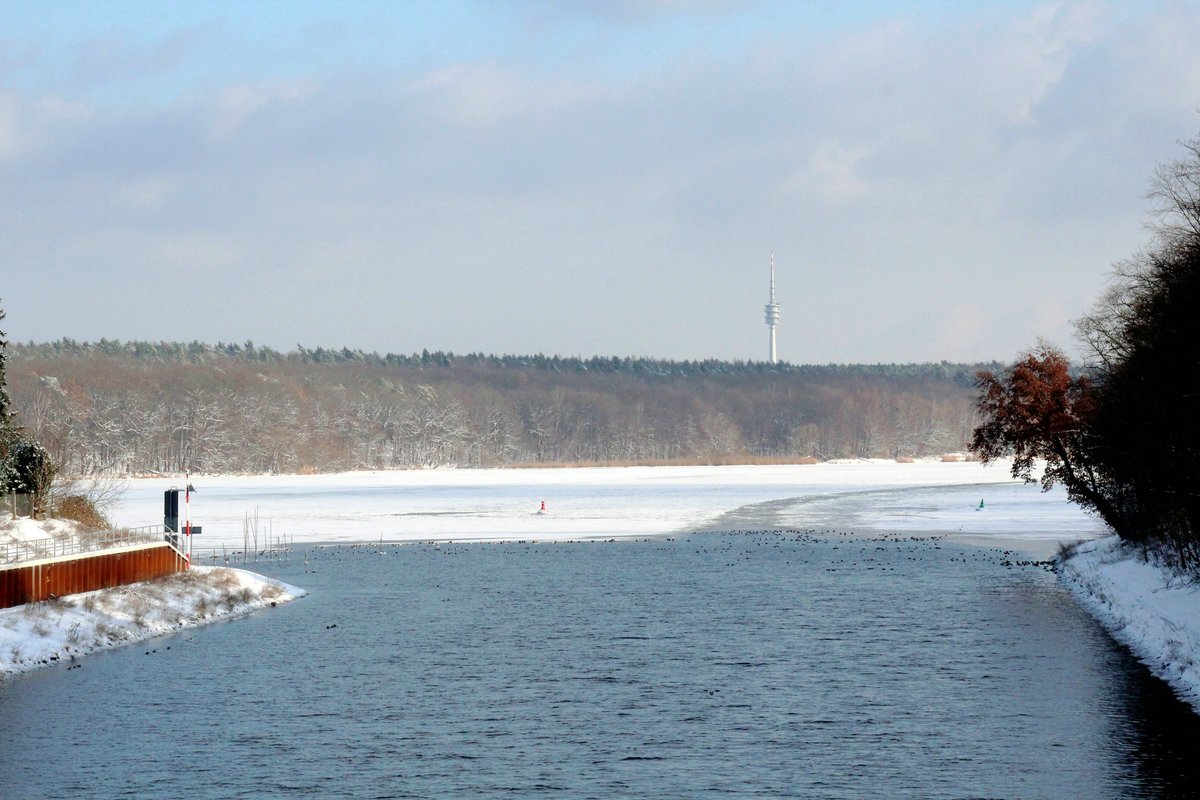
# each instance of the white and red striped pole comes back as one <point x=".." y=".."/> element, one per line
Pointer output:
<point x="187" y="516"/>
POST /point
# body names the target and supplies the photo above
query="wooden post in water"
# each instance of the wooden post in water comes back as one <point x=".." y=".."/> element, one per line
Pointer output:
<point x="254" y="534"/>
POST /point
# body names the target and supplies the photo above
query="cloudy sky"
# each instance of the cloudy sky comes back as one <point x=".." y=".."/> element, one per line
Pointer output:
<point x="937" y="180"/>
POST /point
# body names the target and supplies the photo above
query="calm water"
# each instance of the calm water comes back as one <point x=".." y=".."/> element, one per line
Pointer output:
<point x="712" y="665"/>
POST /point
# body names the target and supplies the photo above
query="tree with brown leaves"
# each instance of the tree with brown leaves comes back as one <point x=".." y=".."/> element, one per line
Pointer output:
<point x="1036" y="411"/>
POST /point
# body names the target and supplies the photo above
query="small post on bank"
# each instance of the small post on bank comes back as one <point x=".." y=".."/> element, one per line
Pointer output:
<point x="187" y="516"/>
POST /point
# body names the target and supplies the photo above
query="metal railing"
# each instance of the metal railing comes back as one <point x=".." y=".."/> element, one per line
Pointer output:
<point x="75" y="544"/>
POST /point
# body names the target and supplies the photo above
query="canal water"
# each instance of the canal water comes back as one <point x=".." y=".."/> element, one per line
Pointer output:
<point x="737" y="664"/>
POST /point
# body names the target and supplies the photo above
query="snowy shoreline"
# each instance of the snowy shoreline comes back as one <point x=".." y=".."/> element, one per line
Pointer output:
<point x="1143" y="605"/>
<point x="59" y="631"/>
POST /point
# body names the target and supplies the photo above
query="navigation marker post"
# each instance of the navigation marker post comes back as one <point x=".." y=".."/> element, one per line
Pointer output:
<point x="187" y="516"/>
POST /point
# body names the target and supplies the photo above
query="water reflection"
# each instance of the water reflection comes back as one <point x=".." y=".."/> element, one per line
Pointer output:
<point x="1163" y="732"/>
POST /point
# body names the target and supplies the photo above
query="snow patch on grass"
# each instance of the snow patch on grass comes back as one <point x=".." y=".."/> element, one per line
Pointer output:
<point x="1144" y="604"/>
<point x="50" y="632"/>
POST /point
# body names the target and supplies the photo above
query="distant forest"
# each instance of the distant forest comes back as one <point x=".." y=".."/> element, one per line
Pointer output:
<point x="112" y="407"/>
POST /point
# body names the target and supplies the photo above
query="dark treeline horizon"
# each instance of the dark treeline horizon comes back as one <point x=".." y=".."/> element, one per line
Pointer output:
<point x="114" y="407"/>
<point x="197" y="352"/>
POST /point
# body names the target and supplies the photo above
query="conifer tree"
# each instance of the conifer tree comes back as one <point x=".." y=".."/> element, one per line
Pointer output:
<point x="5" y="412"/>
<point x="7" y="473"/>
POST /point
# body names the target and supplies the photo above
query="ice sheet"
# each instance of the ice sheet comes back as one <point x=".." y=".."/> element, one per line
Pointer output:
<point x="449" y="504"/>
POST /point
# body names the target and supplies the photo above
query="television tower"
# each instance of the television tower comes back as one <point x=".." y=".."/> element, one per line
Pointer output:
<point x="772" y="309"/>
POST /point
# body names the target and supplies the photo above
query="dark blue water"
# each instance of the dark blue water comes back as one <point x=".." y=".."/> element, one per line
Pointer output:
<point x="714" y="665"/>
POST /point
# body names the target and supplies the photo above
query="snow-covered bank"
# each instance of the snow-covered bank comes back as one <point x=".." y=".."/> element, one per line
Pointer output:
<point x="1145" y="606"/>
<point x="22" y="535"/>
<point x="57" y="631"/>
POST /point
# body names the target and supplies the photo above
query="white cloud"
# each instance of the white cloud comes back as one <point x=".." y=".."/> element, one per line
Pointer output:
<point x="832" y="173"/>
<point x="962" y="188"/>
<point x="29" y="125"/>
<point x="232" y="106"/>
<point x="148" y="192"/>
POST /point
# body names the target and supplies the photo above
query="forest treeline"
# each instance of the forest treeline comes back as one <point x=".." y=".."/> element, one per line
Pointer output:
<point x="113" y="407"/>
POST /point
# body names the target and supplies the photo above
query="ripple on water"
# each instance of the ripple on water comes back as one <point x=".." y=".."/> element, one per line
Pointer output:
<point x="713" y="665"/>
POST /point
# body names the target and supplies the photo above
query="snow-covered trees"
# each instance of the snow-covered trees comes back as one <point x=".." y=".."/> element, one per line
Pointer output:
<point x="29" y="470"/>
<point x="162" y="407"/>
<point x="25" y="465"/>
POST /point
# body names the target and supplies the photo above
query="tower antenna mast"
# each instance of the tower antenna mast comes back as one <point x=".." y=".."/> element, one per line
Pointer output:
<point x="772" y="310"/>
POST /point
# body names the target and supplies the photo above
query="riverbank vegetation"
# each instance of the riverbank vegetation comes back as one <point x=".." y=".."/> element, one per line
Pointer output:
<point x="1123" y="435"/>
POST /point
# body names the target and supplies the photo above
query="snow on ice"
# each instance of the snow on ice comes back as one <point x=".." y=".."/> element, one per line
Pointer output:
<point x="503" y="504"/>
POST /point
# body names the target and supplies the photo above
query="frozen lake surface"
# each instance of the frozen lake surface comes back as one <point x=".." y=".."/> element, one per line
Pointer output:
<point x="482" y="505"/>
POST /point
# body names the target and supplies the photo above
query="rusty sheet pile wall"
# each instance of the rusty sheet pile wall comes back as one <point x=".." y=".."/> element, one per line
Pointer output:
<point x="41" y="580"/>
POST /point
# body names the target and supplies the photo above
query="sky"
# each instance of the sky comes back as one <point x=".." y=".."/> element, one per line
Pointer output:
<point x="936" y="180"/>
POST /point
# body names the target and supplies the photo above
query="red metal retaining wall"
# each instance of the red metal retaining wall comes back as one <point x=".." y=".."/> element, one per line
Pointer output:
<point x="40" y="580"/>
